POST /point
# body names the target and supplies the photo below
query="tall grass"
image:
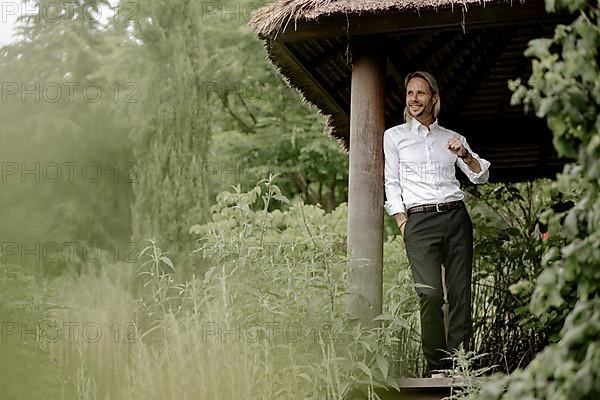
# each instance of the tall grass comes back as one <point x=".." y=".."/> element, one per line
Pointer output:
<point x="261" y="318"/>
<point x="96" y="332"/>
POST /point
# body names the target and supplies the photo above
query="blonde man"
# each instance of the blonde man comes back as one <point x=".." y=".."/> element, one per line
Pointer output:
<point x="424" y="197"/>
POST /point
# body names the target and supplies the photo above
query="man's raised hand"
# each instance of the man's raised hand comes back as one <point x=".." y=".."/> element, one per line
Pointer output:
<point x="456" y="146"/>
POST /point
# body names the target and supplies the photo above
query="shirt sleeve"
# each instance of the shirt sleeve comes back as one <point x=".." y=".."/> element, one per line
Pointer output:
<point x="393" y="191"/>
<point x="475" y="177"/>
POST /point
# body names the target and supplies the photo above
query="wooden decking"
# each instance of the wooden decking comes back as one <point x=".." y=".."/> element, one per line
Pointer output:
<point x="419" y="389"/>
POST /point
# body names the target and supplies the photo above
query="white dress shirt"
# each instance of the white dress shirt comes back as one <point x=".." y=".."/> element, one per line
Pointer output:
<point x="419" y="169"/>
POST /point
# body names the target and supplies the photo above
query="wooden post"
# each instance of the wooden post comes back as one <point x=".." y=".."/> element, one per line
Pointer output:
<point x="365" y="187"/>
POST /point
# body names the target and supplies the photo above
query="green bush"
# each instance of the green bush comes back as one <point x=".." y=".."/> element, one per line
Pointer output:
<point x="564" y="88"/>
<point x="27" y="369"/>
<point x="508" y="242"/>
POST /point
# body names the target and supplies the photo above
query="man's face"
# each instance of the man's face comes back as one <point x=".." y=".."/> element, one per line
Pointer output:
<point x="419" y="98"/>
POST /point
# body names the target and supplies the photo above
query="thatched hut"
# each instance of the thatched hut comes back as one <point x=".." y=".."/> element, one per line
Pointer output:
<point x="349" y="58"/>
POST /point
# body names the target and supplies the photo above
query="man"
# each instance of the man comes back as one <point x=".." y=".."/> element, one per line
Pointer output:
<point x="424" y="197"/>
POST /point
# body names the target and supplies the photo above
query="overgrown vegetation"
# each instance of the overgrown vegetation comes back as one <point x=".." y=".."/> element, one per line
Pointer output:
<point x="238" y="294"/>
<point x="564" y="89"/>
<point x="509" y="243"/>
<point x="265" y="306"/>
<point x="265" y="320"/>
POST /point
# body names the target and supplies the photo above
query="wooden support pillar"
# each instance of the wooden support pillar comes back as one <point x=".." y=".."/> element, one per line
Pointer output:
<point x="365" y="187"/>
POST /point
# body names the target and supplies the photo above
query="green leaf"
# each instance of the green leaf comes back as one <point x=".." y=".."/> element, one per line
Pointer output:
<point x="282" y="199"/>
<point x="364" y="368"/>
<point x="571" y="223"/>
<point x="167" y="261"/>
<point x="366" y="345"/>
<point x="382" y="364"/>
<point x="384" y="317"/>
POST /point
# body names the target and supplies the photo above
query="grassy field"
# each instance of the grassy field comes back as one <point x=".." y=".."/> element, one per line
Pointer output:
<point x="262" y="317"/>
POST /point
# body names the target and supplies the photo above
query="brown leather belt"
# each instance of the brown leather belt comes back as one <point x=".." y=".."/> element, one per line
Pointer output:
<point x="439" y="207"/>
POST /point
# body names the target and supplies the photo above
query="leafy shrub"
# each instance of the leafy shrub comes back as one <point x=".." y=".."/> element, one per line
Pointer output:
<point x="509" y="245"/>
<point x="564" y="89"/>
<point x="27" y="371"/>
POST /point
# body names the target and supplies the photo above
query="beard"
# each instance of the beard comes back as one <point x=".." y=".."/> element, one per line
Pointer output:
<point x="421" y="110"/>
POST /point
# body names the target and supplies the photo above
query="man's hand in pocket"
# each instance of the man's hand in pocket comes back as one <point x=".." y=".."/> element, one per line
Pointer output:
<point x="401" y="221"/>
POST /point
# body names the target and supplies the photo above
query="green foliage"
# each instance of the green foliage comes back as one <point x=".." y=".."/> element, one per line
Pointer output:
<point x="170" y="147"/>
<point x="46" y="127"/>
<point x="564" y="88"/>
<point x="274" y="276"/>
<point x="27" y="370"/>
<point x="183" y="72"/>
<point x="466" y="372"/>
<point x="292" y="267"/>
<point x="508" y="246"/>
<point x="261" y="126"/>
<point x="311" y="164"/>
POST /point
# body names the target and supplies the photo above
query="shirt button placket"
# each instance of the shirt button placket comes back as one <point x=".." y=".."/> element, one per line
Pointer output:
<point x="434" y="167"/>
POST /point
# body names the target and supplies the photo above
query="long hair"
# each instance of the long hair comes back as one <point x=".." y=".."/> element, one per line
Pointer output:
<point x="435" y="90"/>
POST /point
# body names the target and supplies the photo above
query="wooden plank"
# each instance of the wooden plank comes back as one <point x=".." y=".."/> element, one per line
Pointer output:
<point x="312" y="88"/>
<point x="309" y="76"/>
<point x="418" y="389"/>
<point x="430" y="383"/>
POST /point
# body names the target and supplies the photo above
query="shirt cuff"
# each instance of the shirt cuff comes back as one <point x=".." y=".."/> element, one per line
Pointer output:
<point x="395" y="208"/>
<point x="481" y="176"/>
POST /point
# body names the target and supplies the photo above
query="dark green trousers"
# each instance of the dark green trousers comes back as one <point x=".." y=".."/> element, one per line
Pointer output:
<point x="432" y="239"/>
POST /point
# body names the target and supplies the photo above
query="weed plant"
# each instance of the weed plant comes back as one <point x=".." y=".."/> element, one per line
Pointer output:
<point x="262" y="317"/>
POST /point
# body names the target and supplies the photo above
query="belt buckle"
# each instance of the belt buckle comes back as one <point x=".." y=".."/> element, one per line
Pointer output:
<point x="437" y="207"/>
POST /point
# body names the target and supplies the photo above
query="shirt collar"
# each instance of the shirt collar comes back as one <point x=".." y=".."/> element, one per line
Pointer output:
<point x="414" y="124"/>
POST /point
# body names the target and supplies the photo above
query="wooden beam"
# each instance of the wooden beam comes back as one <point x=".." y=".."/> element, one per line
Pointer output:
<point x="406" y="60"/>
<point x="336" y="47"/>
<point x="288" y="59"/>
<point x="365" y="188"/>
<point x="301" y="63"/>
<point x="476" y="69"/>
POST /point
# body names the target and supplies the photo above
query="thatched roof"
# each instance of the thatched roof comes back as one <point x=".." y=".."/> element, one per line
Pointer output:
<point x="473" y="48"/>
<point x="274" y="18"/>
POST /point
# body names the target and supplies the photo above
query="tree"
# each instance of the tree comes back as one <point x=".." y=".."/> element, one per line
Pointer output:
<point x="171" y="146"/>
<point x="261" y="125"/>
<point x="59" y="124"/>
